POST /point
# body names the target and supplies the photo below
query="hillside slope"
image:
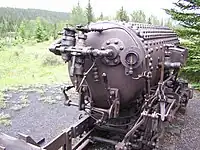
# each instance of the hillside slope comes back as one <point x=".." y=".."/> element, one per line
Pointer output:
<point x="19" y="14"/>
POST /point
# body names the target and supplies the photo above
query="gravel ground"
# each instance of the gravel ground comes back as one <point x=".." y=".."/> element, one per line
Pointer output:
<point x="44" y="116"/>
<point x="39" y="112"/>
<point x="184" y="134"/>
<point x="190" y="135"/>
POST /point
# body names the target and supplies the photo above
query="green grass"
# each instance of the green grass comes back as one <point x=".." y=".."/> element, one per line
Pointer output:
<point x="31" y="64"/>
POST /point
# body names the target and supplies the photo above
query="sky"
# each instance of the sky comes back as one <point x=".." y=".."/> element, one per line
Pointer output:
<point x="108" y="7"/>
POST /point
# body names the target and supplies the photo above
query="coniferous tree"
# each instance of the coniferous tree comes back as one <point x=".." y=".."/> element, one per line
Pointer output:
<point x="89" y="13"/>
<point x="187" y="13"/>
<point x="101" y="16"/>
<point x="122" y="15"/>
<point x="149" y="21"/>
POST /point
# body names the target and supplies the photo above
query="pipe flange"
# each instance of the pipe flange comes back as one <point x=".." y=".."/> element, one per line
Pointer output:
<point x="117" y="46"/>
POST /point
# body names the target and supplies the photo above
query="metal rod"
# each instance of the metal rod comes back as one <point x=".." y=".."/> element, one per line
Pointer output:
<point x="84" y="145"/>
<point x="172" y="104"/>
<point x="100" y="139"/>
<point x="111" y="129"/>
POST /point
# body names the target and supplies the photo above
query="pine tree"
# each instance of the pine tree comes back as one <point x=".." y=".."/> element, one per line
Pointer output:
<point x="149" y="21"/>
<point x="101" y="16"/>
<point x="122" y="15"/>
<point x="89" y="13"/>
<point x="187" y="13"/>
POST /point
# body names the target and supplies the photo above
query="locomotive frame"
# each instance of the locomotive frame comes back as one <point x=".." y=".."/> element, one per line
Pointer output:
<point x="139" y="126"/>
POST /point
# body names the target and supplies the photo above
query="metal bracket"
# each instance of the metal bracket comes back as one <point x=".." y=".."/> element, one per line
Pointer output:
<point x="30" y="140"/>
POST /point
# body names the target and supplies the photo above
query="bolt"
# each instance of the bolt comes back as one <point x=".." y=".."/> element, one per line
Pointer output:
<point x="138" y="32"/>
<point x="95" y="73"/>
<point x="95" y="69"/>
<point x="150" y="50"/>
<point x="108" y="42"/>
<point x="96" y="76"/>
<point x="102" y="48"/>
<point x="83" y="89"/>
<point x="151" y="69"/>
<point x="142" y="40"/>
<point x="156" y="48"/>
<point x="116" y="42"/>
<point x="112" y="93"/>
<point x="130" y="71"/>
<point x="146" y="48"/>
<point x="121" y="48"/>
<point x="150" y="43"/>
<point x="116" y="61"/>
<point x="151" y="59"/>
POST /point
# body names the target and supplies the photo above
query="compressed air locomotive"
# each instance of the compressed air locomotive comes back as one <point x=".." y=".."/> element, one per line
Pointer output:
<point x="127" y="78"/>
<point x="126" y="75"/>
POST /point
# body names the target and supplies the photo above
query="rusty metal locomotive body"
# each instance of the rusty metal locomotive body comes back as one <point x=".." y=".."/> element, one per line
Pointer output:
<point x="127" y="77"/>
<point x="137" y="51"/>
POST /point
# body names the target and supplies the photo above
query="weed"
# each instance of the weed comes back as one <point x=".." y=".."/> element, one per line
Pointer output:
<point x="24" y="102"/>
<point x="2" y="100"/>
<point x="5" y="119"/>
